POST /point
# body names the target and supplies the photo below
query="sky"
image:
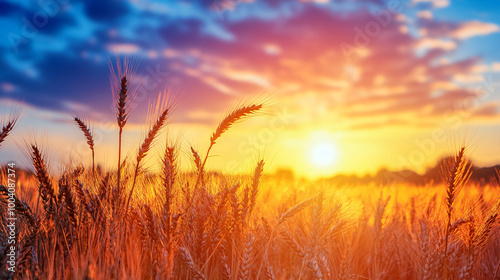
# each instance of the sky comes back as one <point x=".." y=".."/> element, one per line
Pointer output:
<point x="352" y="86"/>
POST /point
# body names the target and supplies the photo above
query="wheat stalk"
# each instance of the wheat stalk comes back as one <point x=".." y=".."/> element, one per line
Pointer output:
<point x="146" y="145"/>
<point x="124" y="95"/>
<point x="297" y="208"/>
<point x="199" y="169"/>
<point x="457" y="176"/>
<point x="314" y="272"/>
<point x="292" y="243"/>
<point x="186" y="258"/>
<point x="9" y="126"/>
<point x="87" y="132"/>
<point x="162" y="110"/>
<point x="255" y="185"/>
<point x="103" y="190"/>
<point x="46" y="189"/>
<point x="269" y="274"/>
<point x="234" y="117"/>
<point x="197" y="160"/>
<point x="121" y="104"/>
<point x="458" y="173"/>
<point x="247" y="259"/>
<point x="68" y="202"/>
<point x="169" y="172"/>
<point x="486" y="228"/>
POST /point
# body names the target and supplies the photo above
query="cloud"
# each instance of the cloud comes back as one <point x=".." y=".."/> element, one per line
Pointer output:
<point x="474" y="28"/>
<point x="495" y="66"/>
<point x="455" y="30"/>
<point x="123" y="48"/>
<point x="432" y="43"/>
<point x="8" y="87"/>
<point x="424" y="14"/>
<point x="470" y="78"/>
<point x="391" y="80"/>
<point x="434" y="3"/>
<point x="387" y="81"/>
<point x="489" y="111"/>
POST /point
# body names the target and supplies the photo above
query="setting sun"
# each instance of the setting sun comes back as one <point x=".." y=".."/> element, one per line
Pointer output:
<point x="324" y="155"/>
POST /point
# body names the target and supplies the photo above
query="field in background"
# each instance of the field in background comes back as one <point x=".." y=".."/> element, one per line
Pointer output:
<point x="254" y="227"/>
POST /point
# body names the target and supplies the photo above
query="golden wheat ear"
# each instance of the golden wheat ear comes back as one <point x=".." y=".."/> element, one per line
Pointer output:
<point x="8" y="126"/>
<point x="187" y="260"/>
<point x="169" y="173"/>
<point x="234" y="117"/>
<point x="45" y="187"/>
<point x="123" y="87"/>
<point x="259" y="169"/>
<point x="457" y="172"/>
<point x="196" y="159"/>
<point x="87" y="132"/>
<point x="121" y="103"/>
<point x="237" y="115"/>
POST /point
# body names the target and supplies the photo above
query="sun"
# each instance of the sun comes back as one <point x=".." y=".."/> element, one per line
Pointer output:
<point x="324" y="155"/>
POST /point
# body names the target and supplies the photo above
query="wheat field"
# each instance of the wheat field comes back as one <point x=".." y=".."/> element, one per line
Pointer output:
<point x="131" y="223"/>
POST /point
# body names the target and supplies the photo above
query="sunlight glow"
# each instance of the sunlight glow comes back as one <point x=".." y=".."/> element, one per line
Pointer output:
<point x="324" y="155"/>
